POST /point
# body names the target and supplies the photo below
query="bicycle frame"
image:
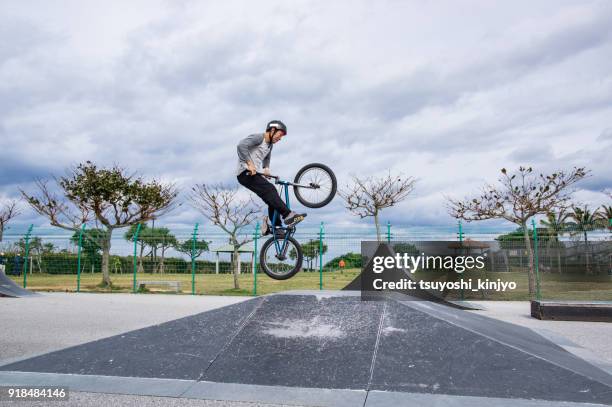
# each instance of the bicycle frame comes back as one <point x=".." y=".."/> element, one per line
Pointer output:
<point x="281" y="248"/>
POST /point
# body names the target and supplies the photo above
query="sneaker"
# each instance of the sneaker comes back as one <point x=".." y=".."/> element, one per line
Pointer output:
<point x="294" y="218"/>
<point x="265" y="228"/>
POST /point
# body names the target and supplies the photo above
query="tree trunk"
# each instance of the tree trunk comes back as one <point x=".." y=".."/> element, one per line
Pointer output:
<point x="586" y="254"/>
<point x="140" y="266"/>
<point x="377" y="226"/>
<point x="505" y="259"/>
<point x="531" y="272"/>
<point x="235" y="260"/>
<point x="161" y="263"/>
<point x="106" y="245"/>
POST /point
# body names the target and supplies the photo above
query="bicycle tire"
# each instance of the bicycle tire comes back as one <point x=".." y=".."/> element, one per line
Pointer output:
<point x="319" y="203"/>
<point x="269" y="244"/>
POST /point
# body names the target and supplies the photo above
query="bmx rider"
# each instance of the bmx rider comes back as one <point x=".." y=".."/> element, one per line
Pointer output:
<point x="254" y="154"/>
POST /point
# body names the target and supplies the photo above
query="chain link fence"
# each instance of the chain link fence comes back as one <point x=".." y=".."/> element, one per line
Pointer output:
<point x="573" y="263"/>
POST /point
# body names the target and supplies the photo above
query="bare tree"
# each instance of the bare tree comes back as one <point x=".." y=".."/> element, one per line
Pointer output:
<point x="109" y="197"/>
<point x="367" y="197"/>
<point x="9" y="211"/>
<point x="520" y="197"/>
<point x="224" y="208"/>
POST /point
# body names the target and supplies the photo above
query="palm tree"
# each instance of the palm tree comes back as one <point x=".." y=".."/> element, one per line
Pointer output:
<point x="584" y="222"/>
<point x="605" y="217"/>
<point x="555" y="224"/>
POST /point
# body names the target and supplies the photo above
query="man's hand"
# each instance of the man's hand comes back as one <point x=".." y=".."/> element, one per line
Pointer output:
<point x="266" y="172"/>
<point x="251" y="168"/>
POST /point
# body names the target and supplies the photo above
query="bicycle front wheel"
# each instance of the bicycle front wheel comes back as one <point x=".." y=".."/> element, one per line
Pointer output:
<point x="316" y="185"/>
<point x="284" y="265"/>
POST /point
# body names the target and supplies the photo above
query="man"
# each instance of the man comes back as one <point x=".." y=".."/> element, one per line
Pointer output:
<point x="254" y="154"/>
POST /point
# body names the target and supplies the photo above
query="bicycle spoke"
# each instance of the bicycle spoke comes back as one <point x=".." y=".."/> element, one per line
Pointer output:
<point x="318" y="178"/>
<point x="280" y="266"/>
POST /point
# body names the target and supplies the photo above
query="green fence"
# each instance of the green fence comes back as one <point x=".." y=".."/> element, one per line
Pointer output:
<point x="568" y="264"/>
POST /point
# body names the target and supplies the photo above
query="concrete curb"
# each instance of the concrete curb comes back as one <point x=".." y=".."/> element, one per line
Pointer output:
<point x="263" y="394"/>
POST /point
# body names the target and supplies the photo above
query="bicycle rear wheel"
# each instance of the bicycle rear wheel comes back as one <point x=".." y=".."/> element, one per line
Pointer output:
<point x="281" y="266"/>
<point x="317" y="185"/>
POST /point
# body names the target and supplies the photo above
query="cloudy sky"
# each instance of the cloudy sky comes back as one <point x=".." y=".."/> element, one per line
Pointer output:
<point x="448" y="92"/>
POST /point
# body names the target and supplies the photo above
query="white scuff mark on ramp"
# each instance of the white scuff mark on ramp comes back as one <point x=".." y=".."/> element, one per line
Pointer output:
<point x="301" y="328"/>
<point x="388" y="330"/>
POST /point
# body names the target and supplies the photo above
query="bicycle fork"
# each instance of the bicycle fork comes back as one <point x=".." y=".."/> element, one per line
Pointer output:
<point x="281" y="248"/>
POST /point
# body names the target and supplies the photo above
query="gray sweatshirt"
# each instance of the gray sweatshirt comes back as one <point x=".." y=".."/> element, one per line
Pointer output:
<point x="255" y="149"/>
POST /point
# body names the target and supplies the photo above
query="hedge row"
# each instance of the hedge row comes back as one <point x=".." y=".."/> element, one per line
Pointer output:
<point x="63" y="263"/>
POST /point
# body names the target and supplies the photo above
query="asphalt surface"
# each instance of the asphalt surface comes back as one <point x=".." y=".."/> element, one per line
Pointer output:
<point x="307" y="341"/>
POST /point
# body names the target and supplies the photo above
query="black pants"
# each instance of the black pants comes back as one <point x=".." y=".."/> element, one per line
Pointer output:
<point x="267" y="192"/>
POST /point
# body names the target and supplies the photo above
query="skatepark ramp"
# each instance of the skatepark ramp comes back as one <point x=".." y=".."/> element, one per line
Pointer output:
<point x="329" y="341"/>
<point x="8" y="288"/>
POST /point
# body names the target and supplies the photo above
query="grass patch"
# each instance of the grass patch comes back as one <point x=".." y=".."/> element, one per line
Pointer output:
<point x="553" y="286"/>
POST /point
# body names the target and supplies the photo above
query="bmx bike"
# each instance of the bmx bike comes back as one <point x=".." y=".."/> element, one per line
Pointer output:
<point x="314" y="186"/>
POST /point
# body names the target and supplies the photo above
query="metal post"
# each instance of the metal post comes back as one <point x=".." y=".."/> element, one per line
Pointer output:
<point x="27" y="256"/>
<point x="537" y="268"/>
<point x="388" y="232"/>
<point x="79" y="259"/>
<point x="255" y="237"/>
<point x="135" y="256"/>
<point x="462" y="294"/>
<point x="193" y="246"/>
<point x="321" y="257"/>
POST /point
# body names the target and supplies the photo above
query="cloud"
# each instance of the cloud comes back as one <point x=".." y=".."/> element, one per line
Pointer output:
<point x="168" y="89"/>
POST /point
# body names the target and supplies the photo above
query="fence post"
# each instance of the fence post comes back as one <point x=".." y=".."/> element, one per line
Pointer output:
<point x="388" y="231"/>
<point x="27" y="256"/>
<point x="255" y="237"/>
<point x="193" y="245"/>
<point x="536" y="261"/>
<point x="461" y="293"/>
<point x="135" y="256"/>
<point x="79" y="258"/>
<point x="321" y="232"/>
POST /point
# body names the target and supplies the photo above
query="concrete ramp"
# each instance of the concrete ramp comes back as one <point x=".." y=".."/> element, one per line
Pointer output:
<point x="335" y="341"/>
<point x="8" y="288"/>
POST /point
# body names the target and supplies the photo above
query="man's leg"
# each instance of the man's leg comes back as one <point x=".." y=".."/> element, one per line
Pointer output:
<point x="266" y="191"/>
<point x="278" y="221"/>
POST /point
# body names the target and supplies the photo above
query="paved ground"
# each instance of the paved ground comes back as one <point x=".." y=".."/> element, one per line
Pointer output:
<point x="79" y="399"/>
<point x="54" y="321"/>
<point x="592" y="338"/>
